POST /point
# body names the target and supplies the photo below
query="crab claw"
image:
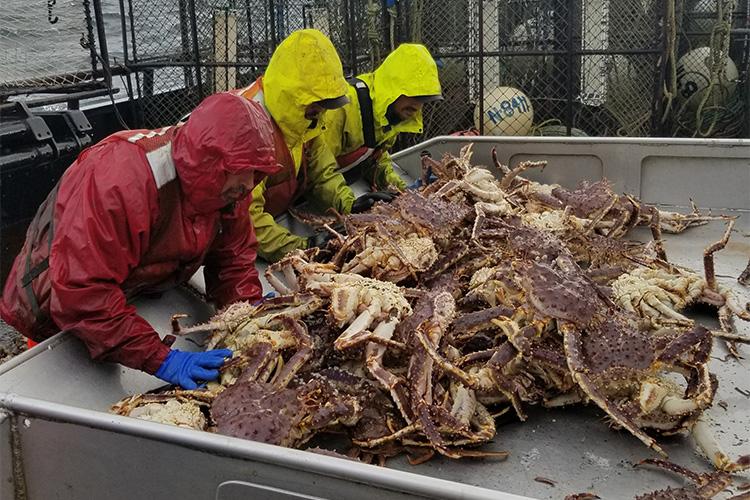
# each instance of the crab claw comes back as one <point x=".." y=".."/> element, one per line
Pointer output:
<point x="357" y="330"/>
<point x="175" y="321"/>
<point x="707" y="443"/>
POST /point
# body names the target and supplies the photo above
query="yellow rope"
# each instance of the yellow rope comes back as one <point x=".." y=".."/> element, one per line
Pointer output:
<point x="392" y="14"/>
<point x="373" y="31"/>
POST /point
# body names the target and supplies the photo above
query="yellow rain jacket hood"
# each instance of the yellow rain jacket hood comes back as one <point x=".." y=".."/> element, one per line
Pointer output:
<point x="409" y="70"/>
<point x="304" y="68"/>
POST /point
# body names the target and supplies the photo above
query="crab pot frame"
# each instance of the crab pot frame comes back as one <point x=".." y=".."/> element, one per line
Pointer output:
<point x="54" y="399"/>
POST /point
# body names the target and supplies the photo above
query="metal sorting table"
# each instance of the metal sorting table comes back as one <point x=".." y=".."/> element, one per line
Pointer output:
<point x="64" y="443"/>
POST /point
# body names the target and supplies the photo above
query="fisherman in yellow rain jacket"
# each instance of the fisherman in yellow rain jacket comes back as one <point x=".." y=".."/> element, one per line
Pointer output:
<point x="303" y="79"/>
<point x="382" y="104"/>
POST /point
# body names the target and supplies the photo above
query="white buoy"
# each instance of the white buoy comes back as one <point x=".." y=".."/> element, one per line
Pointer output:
<point x="507" y="111"/>
<point x="694" y="75"/>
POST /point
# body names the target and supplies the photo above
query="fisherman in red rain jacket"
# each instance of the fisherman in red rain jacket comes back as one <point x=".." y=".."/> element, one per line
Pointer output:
<point x="142" y="211"/>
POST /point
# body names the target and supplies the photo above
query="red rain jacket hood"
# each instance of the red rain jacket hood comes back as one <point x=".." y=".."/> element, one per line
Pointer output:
<point x="205" y="153"/>
<point x="139" y="211"/>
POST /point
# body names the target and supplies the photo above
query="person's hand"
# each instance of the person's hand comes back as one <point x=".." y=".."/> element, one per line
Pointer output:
<point x="190" y="370"/>
<point x="322" y="237"/>
<point x="319" y="239"/>
<point x="367" y="200"/>
<point x="418" y="183"/>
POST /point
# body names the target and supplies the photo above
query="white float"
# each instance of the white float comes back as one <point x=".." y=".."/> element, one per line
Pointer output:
<point x="507" y="111"/>
<point x="694" y="75"/>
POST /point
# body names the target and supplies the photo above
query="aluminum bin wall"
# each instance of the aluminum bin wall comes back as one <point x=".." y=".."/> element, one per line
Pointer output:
<point x="69" y="447"/>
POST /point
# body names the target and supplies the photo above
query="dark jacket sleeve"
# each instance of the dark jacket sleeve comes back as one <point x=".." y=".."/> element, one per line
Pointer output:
<point x="103" y="224"/>
<point x="230" y="265"/>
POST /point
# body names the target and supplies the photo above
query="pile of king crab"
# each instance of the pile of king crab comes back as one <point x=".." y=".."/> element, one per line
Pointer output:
<point x="477" y="295"/>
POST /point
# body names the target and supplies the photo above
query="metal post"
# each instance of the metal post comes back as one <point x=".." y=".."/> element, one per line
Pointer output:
<point x="148" y="82"/>
<point x="124" y="28"/>
<point x="103" y="52"/>
<point x="746" y="63"/>
<point x="352" y="37"/>
<point x="248" y="10"/>
<point x="196" y="47"/>
<point x="185" y="41"/>
<point x="90" y="35"/>
<point x="272" y="16"/>
<point x="569" y="69"/>
<point x="140" y="117"/>
<point x="385" y="28"/>
<point x="657" y="105"/>
<point x="480" y="95"/>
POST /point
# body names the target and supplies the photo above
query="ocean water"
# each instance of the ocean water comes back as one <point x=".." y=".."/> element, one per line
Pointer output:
<point x="43" y="38"/>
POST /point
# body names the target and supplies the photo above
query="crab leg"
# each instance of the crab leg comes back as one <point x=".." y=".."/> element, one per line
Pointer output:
<point x="476" y="416"/>
<point x="734" y="337"/>
<point x="735" y="308"/>
<point x="602" y="213"/>
<point x="575" y="362"/>
<point x="348" y="244"/>
<point x="655" y="226"/>
<point x="654" y="396"/>
<point x="667" y="311"/>
<point x="443" y="363"/>
<point x="499" y="358"/>
<point x="502" y="168"/>
<point x="257" y="358"/>
<point x="649" y="311"/>
<point x="744" y="278"/>
<point x="300" y="357"/>
<point x="374" y="361"/>
<point x="335" y="233"/>
<point x="678" y="469"/>
<point x="708" y="444"/>
<point x="277" y="283"/>
<point x="569" y="398"/>
<point x="629" y="220"/>
<point x="476" y="356"/>
<point x="357" y="328"/>
<point x="507" y="179"/>
<point x="708" y="256"/>
<point x="673" y="222"/>
<point x="290" y="276"/>
<point x="397" y="249"/>
<point x="372" y="443"/>
<point x="356" y="268"/>
<point x="376" y="339"/>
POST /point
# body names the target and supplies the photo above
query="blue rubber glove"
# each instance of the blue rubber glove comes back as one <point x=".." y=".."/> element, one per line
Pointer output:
<point x="190" y="369"/>
<point x="267" y="296"/>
